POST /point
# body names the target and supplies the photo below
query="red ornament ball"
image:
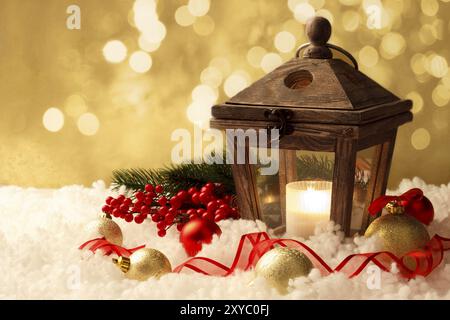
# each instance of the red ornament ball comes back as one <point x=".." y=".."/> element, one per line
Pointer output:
<point x="196" y="232"/>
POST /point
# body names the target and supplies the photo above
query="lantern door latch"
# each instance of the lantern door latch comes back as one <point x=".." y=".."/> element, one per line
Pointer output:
<point x="282" y="116"/>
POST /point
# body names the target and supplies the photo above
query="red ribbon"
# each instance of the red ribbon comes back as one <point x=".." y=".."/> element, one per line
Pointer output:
<point x="253" y="246"/>
<point x="411" y="195"/>
<point x="108" y="248"/>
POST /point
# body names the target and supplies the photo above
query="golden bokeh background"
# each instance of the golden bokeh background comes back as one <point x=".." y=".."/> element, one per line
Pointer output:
<point x="77" y="104"/>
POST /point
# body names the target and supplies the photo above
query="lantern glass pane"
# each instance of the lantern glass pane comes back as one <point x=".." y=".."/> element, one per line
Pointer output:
<point x="314" y="165"/>
<point x="365" y="161"/>
<point x="294" y="165"/>
<point x="268" y="189"/>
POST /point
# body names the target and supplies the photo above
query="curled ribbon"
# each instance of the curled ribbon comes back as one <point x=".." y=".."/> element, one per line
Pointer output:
<point x="253" y="246"/>
<point x="108" y="248"/>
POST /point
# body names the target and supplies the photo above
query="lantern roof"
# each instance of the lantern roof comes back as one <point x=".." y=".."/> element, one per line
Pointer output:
<point x="316" y="88"/>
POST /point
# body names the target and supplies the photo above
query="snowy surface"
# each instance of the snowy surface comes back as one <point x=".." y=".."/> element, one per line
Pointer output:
<point x="40" y="232"/>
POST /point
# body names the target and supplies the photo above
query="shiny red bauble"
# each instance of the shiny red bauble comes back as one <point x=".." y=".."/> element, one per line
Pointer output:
<point x="197" y="232"/>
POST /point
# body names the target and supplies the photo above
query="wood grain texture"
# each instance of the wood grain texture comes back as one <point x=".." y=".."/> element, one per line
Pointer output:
<point x="380" y="175"/>
<point x="343" y="183"/>
<point x="335" y="85"/>
<point x="313" y="114"/>
<point x="244" y="177"/>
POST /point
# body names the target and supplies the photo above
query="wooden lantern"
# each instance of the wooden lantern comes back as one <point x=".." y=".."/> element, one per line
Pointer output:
<point x="331" y="117"/>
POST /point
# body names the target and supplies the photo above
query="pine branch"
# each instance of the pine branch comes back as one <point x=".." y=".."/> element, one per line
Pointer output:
<point x="312" y="167"/>
<point x="175" y="177"/>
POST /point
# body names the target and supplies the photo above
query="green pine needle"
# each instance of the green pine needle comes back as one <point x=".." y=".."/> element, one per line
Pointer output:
<point x="175" y="177"/>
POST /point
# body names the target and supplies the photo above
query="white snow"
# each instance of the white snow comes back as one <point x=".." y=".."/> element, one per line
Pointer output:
<point x="41" y="229"/>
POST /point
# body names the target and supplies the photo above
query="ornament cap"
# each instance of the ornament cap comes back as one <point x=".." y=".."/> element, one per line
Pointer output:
<point x="105" y="215"/>
<point x="123" y="263"/>
<point x="394" y="207"/>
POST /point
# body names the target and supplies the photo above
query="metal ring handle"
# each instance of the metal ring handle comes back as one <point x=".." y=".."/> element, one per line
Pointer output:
<point x="332" y="46"/>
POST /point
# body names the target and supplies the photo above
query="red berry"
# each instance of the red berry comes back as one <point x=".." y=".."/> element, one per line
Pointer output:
<point x="115" y="203"/>
<point x="163" y="211"/>
<point x="180" y="226"/>
<point x="192" y="190"/>
<point x="135" y="209"/>
<point x="140" y="195"/>
<point x="128" y="217"/>
<point x="162" y="201"/>
<point x="162" y="233"/>
<point x="220" y="202"/>
<point x="116" y="213"/>
<point x="234" y="213"/>
<point x="200" y="212"/>
<point x="122" y="215"/>
<point x="121" y="198"/>
<point x="221" y="212"/>
<point x="204" y="198"/>
<point x="106" y="209"/>
<point x="144" y="216"/>
<point x="148" y="200"/>
<point x="169" y="219"/>
<point x="172" y="211"/>
<point x="148" y="188"/>
<point x="225" y="208"/>
<point x="212" y="206"/>
<point x="159" y="189"/>
<point x="227" y="198"/>
<point x="175" y="202"/>
<point x="127" y="202"/>
<point x="108" y="200"/>
<point x="205" y="190"/>
<point x="161" y="225"/>
<point x="139" y="204"/>
<point x="138" y="219"/>
<point x="155" y="217"/>
<point x="196" y="198"/>
<point x="183" y="195"/>
<point x="124" y="208"/>
<point x="210" y="185"/>
<point x="208" y="216"/>
<point x="145" y="209"/>
<point x="191" y="211"/>
<point x="218" y="217"/>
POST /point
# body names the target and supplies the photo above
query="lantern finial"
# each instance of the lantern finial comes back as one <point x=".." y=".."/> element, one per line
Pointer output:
<point x="318" y="30"/>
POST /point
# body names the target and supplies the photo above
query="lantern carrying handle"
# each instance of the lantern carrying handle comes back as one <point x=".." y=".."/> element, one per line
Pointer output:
<point x="331" y="46"/>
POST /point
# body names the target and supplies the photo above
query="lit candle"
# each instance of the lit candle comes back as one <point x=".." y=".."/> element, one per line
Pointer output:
<point x="307" y="204"/>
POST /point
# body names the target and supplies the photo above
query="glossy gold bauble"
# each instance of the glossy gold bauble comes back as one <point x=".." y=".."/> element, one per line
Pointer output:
<point x="106" y="227"/>
<point x="399" y="233"/>
<point x="143" y="264"/>
<point x="279" y="265"/>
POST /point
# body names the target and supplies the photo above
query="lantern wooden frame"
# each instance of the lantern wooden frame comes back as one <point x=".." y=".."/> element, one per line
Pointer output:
<point x="336" y="109"/>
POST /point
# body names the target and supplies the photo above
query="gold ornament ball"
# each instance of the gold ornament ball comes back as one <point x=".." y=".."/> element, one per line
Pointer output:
<point x="399" y="233"/>
<point x="279" y="265"/>
<point x="107" y="228"/>
<point x="143" y="264"/>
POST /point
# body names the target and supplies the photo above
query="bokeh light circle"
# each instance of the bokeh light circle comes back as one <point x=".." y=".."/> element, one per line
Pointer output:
<point x="420" y="139"/>
<point x="235" y="83"/>
<point x="115" y="51"/>
<point x="53" y="119"/>
<point x="140" y="62"/>
<point x="284" y="41"/>
<point x="88" y="124"/>
<point x="270" y="61"/>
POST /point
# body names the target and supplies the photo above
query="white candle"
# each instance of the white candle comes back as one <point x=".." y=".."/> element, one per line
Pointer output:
<point x="307" y="204"/>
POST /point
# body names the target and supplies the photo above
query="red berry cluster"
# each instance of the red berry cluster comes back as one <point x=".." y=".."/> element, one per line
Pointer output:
<point x="207" y="203"/>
